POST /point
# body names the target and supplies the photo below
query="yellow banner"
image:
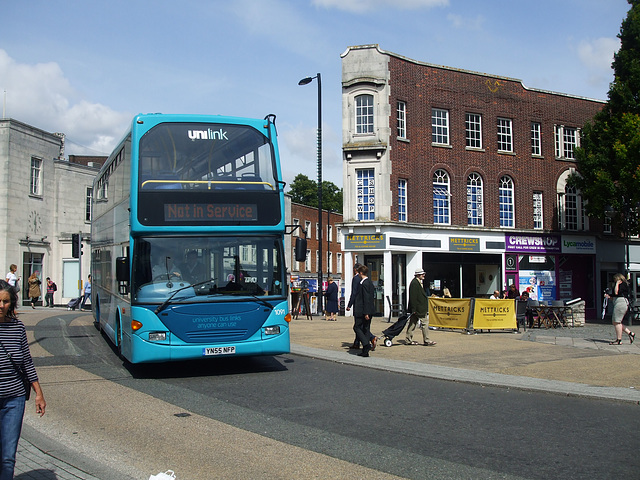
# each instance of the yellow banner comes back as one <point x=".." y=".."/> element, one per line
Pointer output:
<point x="494" y="314"/>
<point x="449" y="312"/>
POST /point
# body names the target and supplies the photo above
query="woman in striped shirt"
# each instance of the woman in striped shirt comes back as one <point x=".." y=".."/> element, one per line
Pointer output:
<point x="14" y="349"/>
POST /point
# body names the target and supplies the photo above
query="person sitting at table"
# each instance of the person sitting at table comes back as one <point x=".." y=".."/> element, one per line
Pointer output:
<point x="513" y="293"/>
<point x="496" y="295"/>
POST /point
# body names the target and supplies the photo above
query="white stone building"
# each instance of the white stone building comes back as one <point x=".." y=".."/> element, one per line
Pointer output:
<point x="46" y="199"/>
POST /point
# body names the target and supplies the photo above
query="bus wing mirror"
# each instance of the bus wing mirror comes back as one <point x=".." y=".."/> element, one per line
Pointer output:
<point x="122" y="269"/>
<point x="301" y="249"/>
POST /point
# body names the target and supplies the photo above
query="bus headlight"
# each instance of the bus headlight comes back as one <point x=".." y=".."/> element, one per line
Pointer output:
<point x="157" y="336"/>
<point x="272" y="330"/>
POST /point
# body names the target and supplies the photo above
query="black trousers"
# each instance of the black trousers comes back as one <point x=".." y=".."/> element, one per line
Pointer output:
<point x="362" y="327"/>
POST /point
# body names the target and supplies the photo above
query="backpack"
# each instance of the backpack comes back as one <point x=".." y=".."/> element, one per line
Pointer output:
<point x="54" y="286"/>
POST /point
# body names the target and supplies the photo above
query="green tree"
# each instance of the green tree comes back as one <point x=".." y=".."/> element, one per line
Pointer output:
<point x="305" y="191"/>
<point x="609" y="155"/>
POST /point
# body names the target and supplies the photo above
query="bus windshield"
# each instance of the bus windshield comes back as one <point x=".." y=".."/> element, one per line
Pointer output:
<point x="204" y="156"/>
<point x="215" y="266"/>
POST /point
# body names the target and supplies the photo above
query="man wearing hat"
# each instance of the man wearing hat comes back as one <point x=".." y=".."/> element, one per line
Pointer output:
<point x="419" y="308"/>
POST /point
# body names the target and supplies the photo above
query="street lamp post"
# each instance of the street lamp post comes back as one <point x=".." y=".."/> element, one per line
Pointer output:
<point x="306" y="81"/>
<point x="329" y="242"/>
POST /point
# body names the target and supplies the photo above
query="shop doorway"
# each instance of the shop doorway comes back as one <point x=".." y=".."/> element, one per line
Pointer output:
<point x="399" y="279"/>
<point x="376" y="274"/>
<point x="31" y="262"/>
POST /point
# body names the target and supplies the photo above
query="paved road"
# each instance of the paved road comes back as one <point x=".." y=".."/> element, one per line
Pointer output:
<point x="309" y="424"/>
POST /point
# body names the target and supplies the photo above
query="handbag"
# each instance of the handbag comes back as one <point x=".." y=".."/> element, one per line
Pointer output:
<point x="21" y="374"/>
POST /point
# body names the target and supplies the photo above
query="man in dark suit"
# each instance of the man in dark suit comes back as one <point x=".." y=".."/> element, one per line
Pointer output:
<point x="355" y="284"/>
<point x="363" y="310"/>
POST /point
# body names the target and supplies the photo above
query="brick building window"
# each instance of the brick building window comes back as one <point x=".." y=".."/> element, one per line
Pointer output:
<point x="402" y="120"/>
<point x="475" y="204"/>
<point x="506" y="202"/>
<point x="572" y="215"/>
<point x="473" y="127"/>
<point x="537" y="211"/>
<point x="307" y="227"/>
<point x="307" y="262"/>
<point x="567" y="139"/>
<point x="338" y="262"/>
<point x="364" y="114"/>
<point x="441" y="196"/>
<point x="505" y="135"/>
<point x="366" y="194"/>
<point x="35" y="181"/>
<point x="440" y="126"/>
<point x="402" y="200"/>
<point x="536" y="145"/>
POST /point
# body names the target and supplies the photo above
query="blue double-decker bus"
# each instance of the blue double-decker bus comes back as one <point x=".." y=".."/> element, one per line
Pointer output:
<point x="187" y="240"/>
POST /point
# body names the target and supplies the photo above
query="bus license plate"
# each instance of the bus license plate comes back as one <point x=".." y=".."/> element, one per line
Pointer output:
<point x="219" y="351"/>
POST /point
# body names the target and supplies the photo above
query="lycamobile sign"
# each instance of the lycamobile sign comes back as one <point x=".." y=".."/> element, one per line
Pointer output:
<point x="578" y="245"/>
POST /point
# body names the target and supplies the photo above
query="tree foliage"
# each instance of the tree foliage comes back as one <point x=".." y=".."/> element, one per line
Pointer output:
<point x="305" y="191"/>
<point x="609" y="155"/>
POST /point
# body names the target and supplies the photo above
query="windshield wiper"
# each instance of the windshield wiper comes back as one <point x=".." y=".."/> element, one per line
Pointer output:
<point x="166" y="302"/>
<point x="263" y="302"/>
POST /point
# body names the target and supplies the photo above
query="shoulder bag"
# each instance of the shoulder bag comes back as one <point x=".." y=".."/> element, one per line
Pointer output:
<point x="21" y="374"/>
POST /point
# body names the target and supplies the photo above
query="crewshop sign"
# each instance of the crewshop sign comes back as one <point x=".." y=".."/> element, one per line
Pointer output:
<point x="533" y="243"/>
<point x="494" y="314"/>
<point x="449" y="312"/>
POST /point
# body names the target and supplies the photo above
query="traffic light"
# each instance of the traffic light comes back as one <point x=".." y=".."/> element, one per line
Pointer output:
<point x="76" y="246"/>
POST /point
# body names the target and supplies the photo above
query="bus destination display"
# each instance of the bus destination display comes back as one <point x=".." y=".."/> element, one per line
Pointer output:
<point x="213" y="212"/>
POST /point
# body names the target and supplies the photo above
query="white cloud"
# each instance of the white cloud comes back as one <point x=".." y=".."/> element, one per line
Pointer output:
<point x="299" y="154"/>
<point x="458" y="21"/>
<point x="598" y="54"/>
<point x="43" y="97"/>
<point x="362" y="6"/>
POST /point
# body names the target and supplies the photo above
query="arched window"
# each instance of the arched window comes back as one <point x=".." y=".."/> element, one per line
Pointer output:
<point x="571" y="212"/>
<point x="441" y="196"/>
<point x="507" y="214"/>
<point x="475" y="204"/>
<point x="364" y="114"/>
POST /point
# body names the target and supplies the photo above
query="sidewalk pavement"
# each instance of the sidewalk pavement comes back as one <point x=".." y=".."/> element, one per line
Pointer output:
<point x="569" y="361"/>
<point x="575" y="361"/>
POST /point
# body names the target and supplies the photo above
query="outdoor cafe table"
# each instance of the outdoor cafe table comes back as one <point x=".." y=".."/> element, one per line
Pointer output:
<point x="551" y="316"/>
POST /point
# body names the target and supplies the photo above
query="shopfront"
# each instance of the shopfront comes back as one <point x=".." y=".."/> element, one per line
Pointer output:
<point x="552" y="267"/>
<point x="466" y="265"/>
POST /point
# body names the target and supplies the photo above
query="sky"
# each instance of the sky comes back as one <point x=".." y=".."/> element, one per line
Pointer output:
<point x="86" y="68"/>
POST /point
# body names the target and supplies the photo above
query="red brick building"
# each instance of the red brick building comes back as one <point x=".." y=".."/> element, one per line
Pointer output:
<point x="333" y="261"/>
<point x="464" y="174"/>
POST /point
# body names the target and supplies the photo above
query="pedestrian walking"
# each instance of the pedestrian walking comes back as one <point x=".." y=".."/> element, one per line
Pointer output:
<point x="419" y="308"/>
<point x="17" y="377"/>
<point x="620" y="298"/>
<point x="12" y="278"/>
<point x="51" y="289"/>
<point x="331" y="307"/>
<point x="34" y="288"/>
<point x="355" y="284"/>
<point x="86" y="293"/>
<point x="363" y="310"/>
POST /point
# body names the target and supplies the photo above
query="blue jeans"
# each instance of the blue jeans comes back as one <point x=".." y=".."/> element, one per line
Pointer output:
<point x="85" y="297"/>
<point x="11" y="413"/>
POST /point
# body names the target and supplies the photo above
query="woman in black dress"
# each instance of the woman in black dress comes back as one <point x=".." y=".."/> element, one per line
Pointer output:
<point x="331" y="295"/>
